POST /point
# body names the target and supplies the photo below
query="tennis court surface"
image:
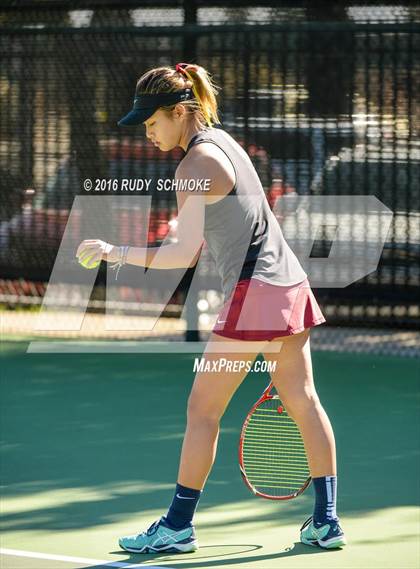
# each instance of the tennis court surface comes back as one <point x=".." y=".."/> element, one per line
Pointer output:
<point x="90" y="446"/>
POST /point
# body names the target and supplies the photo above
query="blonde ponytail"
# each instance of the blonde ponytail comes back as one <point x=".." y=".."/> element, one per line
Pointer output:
<point x="204" y="89"/>
<point x="186" y="75"/>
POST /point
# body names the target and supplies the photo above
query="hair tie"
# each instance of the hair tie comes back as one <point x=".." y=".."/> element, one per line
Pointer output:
<point x="180" y="67"/>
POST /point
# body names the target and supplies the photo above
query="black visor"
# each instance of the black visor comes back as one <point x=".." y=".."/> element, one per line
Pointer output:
<point x="146" y="105"/>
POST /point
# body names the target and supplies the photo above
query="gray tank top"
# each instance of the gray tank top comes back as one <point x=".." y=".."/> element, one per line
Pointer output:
<point x="242" y="226"/>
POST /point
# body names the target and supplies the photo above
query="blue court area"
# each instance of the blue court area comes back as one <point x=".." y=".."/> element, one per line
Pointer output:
<point x="90" y="447"/>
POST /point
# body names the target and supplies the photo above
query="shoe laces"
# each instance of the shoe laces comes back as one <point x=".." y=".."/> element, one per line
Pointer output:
<point x="153" y="528"/>
<point x="308" y="521"/>
<point x="335" y="526"/>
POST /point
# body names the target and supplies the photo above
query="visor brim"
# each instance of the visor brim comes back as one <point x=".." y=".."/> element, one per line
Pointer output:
<point x="136" y="117"/>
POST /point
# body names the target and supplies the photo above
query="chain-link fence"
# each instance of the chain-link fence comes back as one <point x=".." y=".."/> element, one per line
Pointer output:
<point x="324" y="102"/>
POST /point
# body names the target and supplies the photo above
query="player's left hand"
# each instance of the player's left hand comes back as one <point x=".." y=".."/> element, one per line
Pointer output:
<point x="98" y="250"/>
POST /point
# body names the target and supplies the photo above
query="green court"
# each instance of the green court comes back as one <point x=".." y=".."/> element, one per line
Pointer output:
<point x="90" y="447"/>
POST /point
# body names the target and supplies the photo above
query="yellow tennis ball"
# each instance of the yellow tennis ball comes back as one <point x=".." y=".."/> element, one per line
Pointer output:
<point x="86" y="261"/>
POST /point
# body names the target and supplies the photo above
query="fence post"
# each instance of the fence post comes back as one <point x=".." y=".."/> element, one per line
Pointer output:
<point x="190" y="40"/>
<point x="190" y="53"/>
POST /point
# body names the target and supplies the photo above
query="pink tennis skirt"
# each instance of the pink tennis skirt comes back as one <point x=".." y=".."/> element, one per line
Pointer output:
<point x="260" y="311"/>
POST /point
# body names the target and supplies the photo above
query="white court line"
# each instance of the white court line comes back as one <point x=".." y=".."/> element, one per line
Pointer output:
<point x="128" y="346"/>
<point x="68" y="559"/>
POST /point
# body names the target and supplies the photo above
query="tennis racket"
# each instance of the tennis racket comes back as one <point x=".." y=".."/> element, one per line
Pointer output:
<point x="272" y="457"/>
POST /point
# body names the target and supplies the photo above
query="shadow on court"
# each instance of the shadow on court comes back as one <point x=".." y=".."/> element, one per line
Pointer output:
<point x="89" y="439"/>
<point x="150" y="560"/>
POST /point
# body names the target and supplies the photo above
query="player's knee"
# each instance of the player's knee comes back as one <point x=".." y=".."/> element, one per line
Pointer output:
<point x="302" y="403"/>
<point x="200" y="411"/>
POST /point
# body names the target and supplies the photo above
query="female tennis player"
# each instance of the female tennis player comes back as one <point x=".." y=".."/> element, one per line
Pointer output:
<point x="179" y="108"/>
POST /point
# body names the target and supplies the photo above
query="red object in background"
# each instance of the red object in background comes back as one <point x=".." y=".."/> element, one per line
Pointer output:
<point x="162" y="224"/>
<point x="277" y="190"/>
<point x="124" y="226"/>
<point x="126" y="293"/>
<point x="138" y="228"/>
<point x="138" y="294"/>
<point x="63" y="216"/>
<point x="150" y="151"/>
<point x="138" y="150"/>
<point x="125" y="148"/>
<point x="75" y="220"/>
<point x="252" y="150"/>
<point x="151" y="235"/>
<point x="22" y="287"/>
<point x="131" y="225"/>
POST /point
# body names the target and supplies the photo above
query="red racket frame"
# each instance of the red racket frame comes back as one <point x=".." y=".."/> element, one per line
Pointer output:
<point x="266" y="395"/>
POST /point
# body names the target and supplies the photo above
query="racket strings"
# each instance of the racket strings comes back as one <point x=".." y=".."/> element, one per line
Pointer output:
<point x="274" y="457"/>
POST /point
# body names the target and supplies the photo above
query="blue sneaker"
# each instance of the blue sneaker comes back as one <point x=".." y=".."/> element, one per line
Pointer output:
<point x="160" y="537"/>
<point x="328" y="536"/>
